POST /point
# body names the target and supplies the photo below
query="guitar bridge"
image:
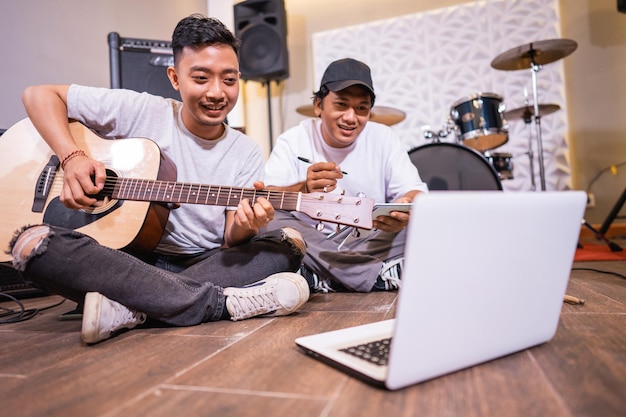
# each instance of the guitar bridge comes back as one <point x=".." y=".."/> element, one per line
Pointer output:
<point x="44" y="184"/>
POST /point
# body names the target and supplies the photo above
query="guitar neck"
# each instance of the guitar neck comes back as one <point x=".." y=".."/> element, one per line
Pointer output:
<point x="187" y="193"/>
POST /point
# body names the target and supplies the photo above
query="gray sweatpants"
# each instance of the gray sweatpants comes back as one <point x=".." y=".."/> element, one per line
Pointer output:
<point x="356" y="264"/>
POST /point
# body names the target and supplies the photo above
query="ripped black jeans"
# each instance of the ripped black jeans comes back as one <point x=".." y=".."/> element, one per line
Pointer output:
<point x="65" y="262"/>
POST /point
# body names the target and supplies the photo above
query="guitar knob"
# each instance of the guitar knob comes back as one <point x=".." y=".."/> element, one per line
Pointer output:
<point x="319" y="227"/>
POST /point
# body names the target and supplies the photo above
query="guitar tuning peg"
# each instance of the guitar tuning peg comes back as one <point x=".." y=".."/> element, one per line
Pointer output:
<point x="319" y="227"/>
<point x="338" y="229"/>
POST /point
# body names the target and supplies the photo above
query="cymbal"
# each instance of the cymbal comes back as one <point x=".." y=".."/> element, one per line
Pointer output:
<point x="529" y="111"/>
<point x="539" y="53"/>
<point x="381" y="114"/>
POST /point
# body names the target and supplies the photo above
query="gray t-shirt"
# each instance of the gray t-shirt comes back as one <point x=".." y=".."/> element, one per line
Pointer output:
<point x="234" y="160"/>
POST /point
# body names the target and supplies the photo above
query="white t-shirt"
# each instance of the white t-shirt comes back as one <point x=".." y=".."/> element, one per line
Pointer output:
<point x="233" y="160"/>
<point x="377" y="163"/>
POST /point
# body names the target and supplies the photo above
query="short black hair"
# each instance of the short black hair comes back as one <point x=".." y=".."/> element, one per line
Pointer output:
<point x="198" y="31"/>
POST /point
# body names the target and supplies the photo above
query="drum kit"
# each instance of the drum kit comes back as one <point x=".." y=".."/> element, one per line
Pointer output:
<point x="480" y="124"/>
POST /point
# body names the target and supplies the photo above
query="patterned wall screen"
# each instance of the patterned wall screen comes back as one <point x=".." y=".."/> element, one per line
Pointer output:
<point x="425" y="63"/>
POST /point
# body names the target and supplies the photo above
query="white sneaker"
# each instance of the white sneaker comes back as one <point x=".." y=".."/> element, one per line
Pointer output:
<point x="389" y="275"/>
<point x="316" y="284"/>
<point x="277" y="295"/>
<point x="102" y="317"/>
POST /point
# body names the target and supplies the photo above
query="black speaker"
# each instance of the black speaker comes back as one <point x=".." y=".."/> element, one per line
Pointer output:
<point x="621" y="6"/>
<point x="262" y="27"/>
<point x="141" y="65"/>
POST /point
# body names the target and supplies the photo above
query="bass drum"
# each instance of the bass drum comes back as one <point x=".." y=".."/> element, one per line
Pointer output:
<point x="450" y="166"/>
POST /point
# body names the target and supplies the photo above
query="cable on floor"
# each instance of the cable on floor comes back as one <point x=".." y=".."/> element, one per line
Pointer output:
<point x="600" y="271"/>
<point x="9" y="315"/>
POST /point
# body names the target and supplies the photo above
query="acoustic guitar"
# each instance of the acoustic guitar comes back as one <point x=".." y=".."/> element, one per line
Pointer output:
<point x="139" y="189"/>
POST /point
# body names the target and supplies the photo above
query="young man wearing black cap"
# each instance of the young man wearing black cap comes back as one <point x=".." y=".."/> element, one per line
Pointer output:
<point x="341" y="151"/>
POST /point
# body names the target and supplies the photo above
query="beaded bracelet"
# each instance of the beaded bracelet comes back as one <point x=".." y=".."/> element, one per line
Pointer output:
<point x="77" y="152"/>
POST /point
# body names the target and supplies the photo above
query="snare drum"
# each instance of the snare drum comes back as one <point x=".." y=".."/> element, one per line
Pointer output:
<point x="450" y="166"/>
<point x="502" y="162"/>
<point x="479" y="123"/>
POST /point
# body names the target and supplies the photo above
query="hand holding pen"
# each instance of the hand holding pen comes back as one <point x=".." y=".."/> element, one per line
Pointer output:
<point x="321" y="176"/>
<point x="308" y="161"/>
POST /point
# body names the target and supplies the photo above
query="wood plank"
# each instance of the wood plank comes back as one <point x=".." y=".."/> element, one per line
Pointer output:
<point x="81" y="381"/>
<point x="586" y="366"/>
<point x="270" y="361"/>
<point x="169" y="401"/>
<point x="511" y="386"/>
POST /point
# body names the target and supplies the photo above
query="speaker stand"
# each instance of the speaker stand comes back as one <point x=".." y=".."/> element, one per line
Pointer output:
<point x="269" y="112"/>
<point x="613" y="246"/>
<point x="600" y="234"/>
<point x="614" y="212"/>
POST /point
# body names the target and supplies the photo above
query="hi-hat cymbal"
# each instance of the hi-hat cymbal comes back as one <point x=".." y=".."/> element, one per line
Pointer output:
<point x="381" y="114"/>
<point x="539" y="53"/>
<point x="527" y="112"/>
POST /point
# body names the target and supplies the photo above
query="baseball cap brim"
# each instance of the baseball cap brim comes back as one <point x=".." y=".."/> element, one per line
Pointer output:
<point x="341" y="85"/>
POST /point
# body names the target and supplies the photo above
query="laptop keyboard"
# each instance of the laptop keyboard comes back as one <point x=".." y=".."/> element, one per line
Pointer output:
<point x="376" y="352"/>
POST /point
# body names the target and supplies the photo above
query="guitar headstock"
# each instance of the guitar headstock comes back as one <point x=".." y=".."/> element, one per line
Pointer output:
<point x="336" y="208"/>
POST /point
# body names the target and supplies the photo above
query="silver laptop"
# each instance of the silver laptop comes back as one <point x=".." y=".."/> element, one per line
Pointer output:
<point x="484" y="276"/>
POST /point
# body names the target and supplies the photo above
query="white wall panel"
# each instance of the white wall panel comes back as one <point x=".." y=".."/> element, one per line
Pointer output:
<point x="424" y="63"/>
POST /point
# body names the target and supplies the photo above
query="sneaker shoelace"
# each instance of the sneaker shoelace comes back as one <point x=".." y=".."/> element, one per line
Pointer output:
<point x="390" y="273"/>
<point x="252" y="302"/>
<point x="125" y="316"/>
<point x="316" y="283"/>
<point x="322" y="285"/>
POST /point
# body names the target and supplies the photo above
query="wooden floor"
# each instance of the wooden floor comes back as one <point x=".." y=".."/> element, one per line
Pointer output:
<point x="253" y="368"/>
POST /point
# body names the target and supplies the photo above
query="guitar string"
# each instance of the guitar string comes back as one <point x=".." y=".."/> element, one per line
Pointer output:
<point x="111" y="183"/>
<point x="286" y="200"/>
<point x="191" y="193"/>
<point x="201" y="193"/>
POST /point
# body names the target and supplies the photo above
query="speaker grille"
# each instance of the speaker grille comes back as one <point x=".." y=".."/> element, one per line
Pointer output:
<point x="261" y="26"/>
<point x="261" y="53"/>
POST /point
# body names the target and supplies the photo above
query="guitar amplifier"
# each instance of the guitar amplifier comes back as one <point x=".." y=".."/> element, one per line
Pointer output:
<point x="141" y="65"/>
<point x="11" y="283"/>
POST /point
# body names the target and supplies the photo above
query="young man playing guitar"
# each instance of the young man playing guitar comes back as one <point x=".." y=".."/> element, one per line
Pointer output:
<point x="208" y="256"/>
<point x="308" y="157"/>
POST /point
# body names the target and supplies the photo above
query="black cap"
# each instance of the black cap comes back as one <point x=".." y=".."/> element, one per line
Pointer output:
<point x="346" y="72"/>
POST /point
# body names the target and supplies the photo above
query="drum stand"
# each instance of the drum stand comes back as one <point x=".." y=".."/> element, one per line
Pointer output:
<point x="534" y="68"/>
<point x="534" y="55"/>
<point x="531" y="155"/>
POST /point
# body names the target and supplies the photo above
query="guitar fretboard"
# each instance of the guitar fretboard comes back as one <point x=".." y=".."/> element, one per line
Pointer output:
<point x="179" y="192"/>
